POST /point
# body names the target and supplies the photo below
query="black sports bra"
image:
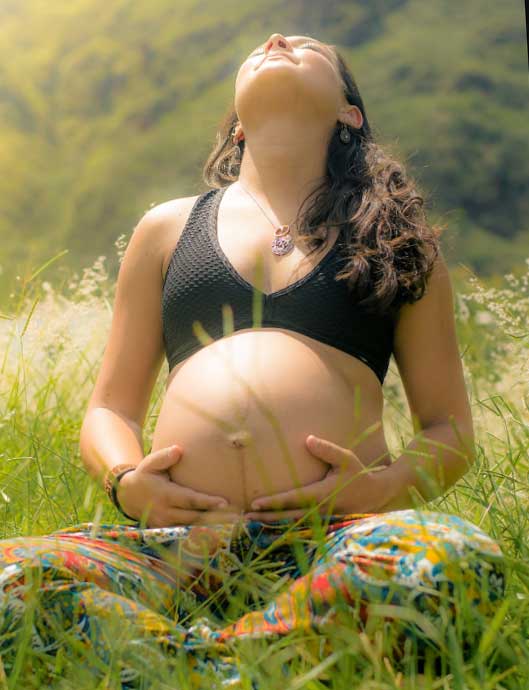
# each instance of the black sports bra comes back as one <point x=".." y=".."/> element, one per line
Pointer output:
<point x="200" y="279"/>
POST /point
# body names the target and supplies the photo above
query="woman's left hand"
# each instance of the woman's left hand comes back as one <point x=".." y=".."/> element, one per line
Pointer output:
<point x="362" y="490"/>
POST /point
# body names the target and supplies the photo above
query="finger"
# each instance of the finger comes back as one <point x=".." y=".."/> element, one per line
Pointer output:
<point x="272" y="516"/>
<point x="216" y="517"/>
<point x="331" y="452"/>
<point x="184" y="498"/>
<point x="161" y="460"/>
<point x="295" y="498"/>
<point x="172" y="517"/>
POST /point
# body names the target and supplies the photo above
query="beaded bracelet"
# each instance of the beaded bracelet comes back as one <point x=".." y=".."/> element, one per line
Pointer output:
<point x="111" y="482"/>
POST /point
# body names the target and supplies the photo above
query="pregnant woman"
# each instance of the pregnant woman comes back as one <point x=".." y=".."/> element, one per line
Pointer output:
<point x="278" y="297"/>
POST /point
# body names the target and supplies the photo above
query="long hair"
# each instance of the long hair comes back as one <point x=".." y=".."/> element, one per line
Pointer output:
<point x="390" y="247"/>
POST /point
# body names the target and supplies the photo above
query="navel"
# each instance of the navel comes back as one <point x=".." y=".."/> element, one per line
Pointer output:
<point x="240" y="439"/>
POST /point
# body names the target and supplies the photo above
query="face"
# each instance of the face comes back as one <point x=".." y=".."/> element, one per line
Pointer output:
<point x="297" y="74"/>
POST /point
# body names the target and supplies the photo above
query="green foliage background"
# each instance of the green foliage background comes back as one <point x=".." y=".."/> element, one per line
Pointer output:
<point x="107" y="108"/>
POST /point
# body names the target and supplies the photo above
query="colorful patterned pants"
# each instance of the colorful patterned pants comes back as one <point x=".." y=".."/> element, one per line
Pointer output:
<point x="437" y="565"/>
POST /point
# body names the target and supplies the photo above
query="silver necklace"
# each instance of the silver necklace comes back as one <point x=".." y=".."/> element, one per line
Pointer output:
<point x="283" y="242"/>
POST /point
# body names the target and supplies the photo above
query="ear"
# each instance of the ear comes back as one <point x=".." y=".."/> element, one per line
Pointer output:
<point x="352" y="116"/>
<point x="238" y="133"/>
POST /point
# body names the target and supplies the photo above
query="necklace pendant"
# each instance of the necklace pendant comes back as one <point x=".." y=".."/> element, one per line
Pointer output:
<point x="282" y="243"/>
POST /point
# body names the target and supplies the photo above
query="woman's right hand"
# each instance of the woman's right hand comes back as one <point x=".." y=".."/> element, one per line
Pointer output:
<point x="150" y="489"/>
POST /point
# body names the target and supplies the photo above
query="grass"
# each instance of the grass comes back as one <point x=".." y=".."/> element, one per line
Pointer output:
<point x="51" y="346"/>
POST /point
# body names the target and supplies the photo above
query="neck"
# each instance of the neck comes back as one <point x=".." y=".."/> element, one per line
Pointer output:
<point x="281" y="168"/>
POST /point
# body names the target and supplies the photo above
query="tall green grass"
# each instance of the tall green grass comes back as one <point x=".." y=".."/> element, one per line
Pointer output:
<point x="51" y="345"/>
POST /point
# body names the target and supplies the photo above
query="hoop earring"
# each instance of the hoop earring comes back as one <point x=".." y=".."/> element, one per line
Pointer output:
<point x="345" y="134"/>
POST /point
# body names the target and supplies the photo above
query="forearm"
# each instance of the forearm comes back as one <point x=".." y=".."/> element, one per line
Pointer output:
<point x="108" y="439"/>
<point x="434" y="460"/>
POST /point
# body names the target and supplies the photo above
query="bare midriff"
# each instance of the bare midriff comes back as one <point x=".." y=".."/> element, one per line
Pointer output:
<point x="242" y="407"/>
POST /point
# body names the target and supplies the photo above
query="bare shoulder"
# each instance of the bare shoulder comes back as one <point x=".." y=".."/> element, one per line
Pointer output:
<point x="173" y="208"/>
<point x="164" y="223"/>
<point x="170" y="218"/>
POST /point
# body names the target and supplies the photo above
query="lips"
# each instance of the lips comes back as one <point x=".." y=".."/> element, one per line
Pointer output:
<point x="274" y="54"/>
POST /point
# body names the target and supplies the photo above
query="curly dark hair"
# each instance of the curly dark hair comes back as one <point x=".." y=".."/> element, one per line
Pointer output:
<point x="366" y="192"/>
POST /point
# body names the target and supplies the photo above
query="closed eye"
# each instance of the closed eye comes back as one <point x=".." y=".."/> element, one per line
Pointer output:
<point x="314" y="46"/>
<point x="308" y="44"/>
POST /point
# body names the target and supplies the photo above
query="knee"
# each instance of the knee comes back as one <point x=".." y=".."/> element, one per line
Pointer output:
<point x="414" y="548"/>
<point x="457" y="559"/>
<point x="473" y="569"/>
<point x="21" y="565"/>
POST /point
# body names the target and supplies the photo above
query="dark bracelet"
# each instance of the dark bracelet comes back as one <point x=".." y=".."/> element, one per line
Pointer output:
<point x="113" y="493"/>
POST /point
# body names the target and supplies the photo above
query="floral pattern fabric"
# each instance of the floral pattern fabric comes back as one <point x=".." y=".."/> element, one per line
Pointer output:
<point x="435" y="564"/>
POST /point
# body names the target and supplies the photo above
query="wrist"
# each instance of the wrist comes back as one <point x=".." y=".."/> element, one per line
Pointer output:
<point x="112" y="482"/>
<point x="386" y="487"/>
<point x="121" y="486"/>
<point x="396" y="489"/>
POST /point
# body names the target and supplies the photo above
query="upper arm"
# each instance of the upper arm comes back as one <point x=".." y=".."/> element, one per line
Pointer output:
<point x="427" y="355"/>
<point x="134" y="352"/>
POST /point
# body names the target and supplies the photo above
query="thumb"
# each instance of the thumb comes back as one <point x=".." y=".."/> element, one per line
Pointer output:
<point x="161" y="459"/>
<point x="332" y="453"/>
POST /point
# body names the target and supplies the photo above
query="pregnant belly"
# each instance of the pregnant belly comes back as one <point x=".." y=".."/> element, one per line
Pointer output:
<point x="242" y="407"/>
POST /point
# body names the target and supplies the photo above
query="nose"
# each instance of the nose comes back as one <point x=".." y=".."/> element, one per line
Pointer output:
<point x="277" y="42"/>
